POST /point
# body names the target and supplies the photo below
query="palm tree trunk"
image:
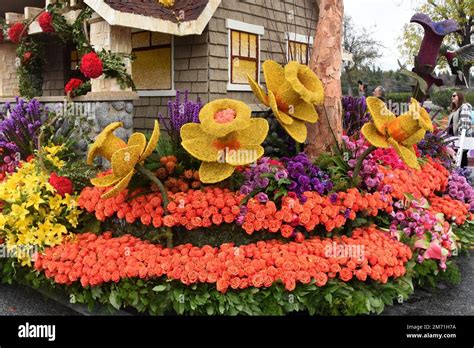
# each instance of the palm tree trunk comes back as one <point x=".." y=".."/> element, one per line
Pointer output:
<point x="326" y="62"/>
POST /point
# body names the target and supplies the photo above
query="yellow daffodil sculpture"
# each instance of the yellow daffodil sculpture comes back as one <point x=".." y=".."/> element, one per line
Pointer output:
<point x="292" y="93"/>
<point x="123" y="156"/>
<point x="227" y="137"/>
<point x="400" y="133"/>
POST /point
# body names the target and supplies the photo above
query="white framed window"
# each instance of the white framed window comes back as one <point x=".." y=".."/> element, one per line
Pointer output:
<point x="244" y="53"/>
<point x="298" y="47"/>
<point x="153" y="66"/>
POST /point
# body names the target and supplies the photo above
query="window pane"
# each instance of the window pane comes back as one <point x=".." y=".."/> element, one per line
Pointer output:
<point x="152" y="69"/>
<point x="158" y="39"/>
<point x="240" y="70"/>
<point x="235" y="43"/>
<point x="304" y="54"/>
<point x="244" y="45"/>
<point x="141" y="39"/>
<point x="253" y="46"/>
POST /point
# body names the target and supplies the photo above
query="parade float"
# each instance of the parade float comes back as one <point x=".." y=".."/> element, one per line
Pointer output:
<point x="224" y="213"/>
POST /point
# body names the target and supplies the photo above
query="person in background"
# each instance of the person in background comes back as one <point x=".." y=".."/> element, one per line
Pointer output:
<point x="459" y="119"/>
<point x="362" y="89"/>
<point x="379" y="92"/>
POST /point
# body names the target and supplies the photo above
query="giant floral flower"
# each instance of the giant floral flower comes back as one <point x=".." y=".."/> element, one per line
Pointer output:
<point x="124" y="159"/>
<point x="292" y="93"/>
<point x="226" y="137"/>
<point x="106" y="143"/>
<point x="400" y="133"/>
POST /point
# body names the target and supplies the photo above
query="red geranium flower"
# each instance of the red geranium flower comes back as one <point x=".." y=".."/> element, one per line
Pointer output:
<point x="27" y="56"/>
<point x="72" y="85"/>
<point x="14" y="32"/>
<point x="46" y="22"/>
<point x="91" y="65"/>
<point x="61" y="184"/>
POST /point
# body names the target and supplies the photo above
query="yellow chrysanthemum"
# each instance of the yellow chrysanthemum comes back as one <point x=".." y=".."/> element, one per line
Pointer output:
<point x="228" y="145"/>
<point x="401" y="132"/>
<point x="124" y="161"/>
<point x="106" y="143"/>
<point x="292" y="93"/>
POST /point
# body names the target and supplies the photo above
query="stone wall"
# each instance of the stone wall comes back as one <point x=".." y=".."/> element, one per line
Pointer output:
<point x="8" y="77"/>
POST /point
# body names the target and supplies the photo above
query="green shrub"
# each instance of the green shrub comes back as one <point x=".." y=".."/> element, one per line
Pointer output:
<point x="403" y="97"/>
<point x="469" y="97"/>
<point x="442" y="97"/>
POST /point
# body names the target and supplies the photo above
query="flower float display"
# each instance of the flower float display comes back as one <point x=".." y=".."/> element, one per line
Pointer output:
<point x="227" y="137"/>
<point x="401" y="133"/>
<point x="292" y="93"/>
<point x="91" y="65"/>
<point x="123" y="157"/>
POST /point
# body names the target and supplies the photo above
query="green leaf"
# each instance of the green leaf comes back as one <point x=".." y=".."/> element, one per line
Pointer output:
<point x="159" y="288"/>
<point x="114" y="300"/>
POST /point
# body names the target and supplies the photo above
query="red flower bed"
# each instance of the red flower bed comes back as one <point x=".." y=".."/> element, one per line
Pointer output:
<point x="452" y="209"/>
<point x="214" y="206"/>
<point x="423" y="183"/>
<point x="93" y="260"/>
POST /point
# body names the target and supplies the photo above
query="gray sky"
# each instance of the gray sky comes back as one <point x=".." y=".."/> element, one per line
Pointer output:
<point x="385" y="19"/>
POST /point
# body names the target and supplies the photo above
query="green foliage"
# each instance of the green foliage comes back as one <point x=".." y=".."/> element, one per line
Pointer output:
<point x="114" y="67"/>
<point x="464" y="236"/>
<point x="428" y="274"/>
<point x="442" y="97"/>
<point x="403" y="97"/>
<point x="469" y="97"/>
<point x="30" y="71"/>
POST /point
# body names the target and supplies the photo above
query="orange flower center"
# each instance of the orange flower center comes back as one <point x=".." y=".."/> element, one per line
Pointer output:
<point x="230" y="142"/>
<point x="396" y="131"/>
<point x="225" y="116"/>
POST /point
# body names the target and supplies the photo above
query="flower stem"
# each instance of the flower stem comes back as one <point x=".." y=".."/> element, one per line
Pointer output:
<point x="357" y="168"/>
<point x="164" y="195"/>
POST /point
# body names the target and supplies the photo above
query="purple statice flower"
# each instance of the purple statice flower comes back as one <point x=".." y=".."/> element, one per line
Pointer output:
<point x="305" y="176"/>
<point x="180" y="112"/>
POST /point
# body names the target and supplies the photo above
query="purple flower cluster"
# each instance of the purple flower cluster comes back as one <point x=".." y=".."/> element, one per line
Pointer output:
<point x="180" y="112"/>
<point x="413" y="220"/>
<point x="305" y="176"/>
<point x="460" y="189"/>
<point x="435" y="145"/>
<point x="355" y="114"/>
<point x="255" y="179"/>
<point x="19" y="128"/>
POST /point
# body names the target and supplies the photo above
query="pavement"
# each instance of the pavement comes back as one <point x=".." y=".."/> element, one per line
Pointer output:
<point x="445" y="300"/>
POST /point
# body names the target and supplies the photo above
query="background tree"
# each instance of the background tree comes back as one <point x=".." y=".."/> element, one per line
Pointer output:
<point x="326" y="62"/>
<point x="364" y="48"/>
<point x="461" y="11"/>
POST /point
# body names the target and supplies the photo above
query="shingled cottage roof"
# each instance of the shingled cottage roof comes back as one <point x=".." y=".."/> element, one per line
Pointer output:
<point x="185" y="17"/>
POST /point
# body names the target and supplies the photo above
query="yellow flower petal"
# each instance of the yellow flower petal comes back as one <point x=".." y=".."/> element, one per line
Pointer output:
<point x="257" y="90"/>
<point x="415" y="138"/>
<point x="212" y="172"/>
<point x="406" y="153"/>
<point x="202" y="148"/>
<point x="155" y="137"/>
<point x="305" y="82"/>
<point x="381" y="115"/>
<point x="191" y="131"/>
<point x="304" y="112"/>
<point x="274" y="75"/>
<point x="419" y="114"/>
<point x="373" y="136"/>
<point x="280" y="115"/>
<point x="255" y="134"/>
<point x="106" y="143"/>
<point x="122" y="185"/>
<point x="246" y="155"/>
<point x="124" y="160"/>
<point x="210" y="126"/>
<point x="137" y="139"/>
<point x="297" y="130"/>
<point x="105" y="181"/>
